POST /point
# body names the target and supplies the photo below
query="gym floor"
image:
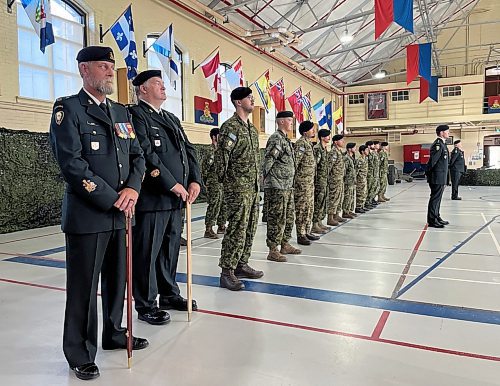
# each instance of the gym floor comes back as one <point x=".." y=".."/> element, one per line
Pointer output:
<point x="379" y="300"/>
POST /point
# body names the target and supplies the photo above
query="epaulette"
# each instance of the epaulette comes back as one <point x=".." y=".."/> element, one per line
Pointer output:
<point x="63" y="98"/>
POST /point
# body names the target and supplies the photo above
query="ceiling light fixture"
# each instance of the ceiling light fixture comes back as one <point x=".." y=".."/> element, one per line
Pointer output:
<point x="380" y="75"/>
<point x="346" y="37"/>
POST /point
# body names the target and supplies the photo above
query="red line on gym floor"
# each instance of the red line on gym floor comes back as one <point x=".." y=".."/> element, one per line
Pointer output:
<point x="308" y="328"/>
<point x="380" y="325"/>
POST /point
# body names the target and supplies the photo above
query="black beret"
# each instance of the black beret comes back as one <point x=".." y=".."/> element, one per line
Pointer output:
<point x="144" y="76"/>
<point x="214" y="132"/>
<point x="457" y="141"/>
<point x="284" y="114"/>
<point x="369" y="143"/>
<point x="337" y="137"/>
<point x="441" y="128"/>
<point x="240" y="93"/>
<point x="323" y="133"/>
<point x="376" y="142"/>
<point x="95" y="53"/>
<point x="305" y="126"/>
<point x="384" y="143"/>
<point x="350" y="145"/>
<point x="362" y="148"/>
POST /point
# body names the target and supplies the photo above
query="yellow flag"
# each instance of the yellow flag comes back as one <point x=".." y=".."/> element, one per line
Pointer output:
<point x="339" y="120"/>
<point x="262" y="85"/>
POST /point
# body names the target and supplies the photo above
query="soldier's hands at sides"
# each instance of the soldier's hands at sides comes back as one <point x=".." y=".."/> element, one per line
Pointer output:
<point x="194" y="191"/>
<point x="179" y="191"/>
<point x="127" y="200"/>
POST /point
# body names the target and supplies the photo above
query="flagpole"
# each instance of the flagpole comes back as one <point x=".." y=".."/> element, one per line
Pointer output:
<point x="101" y="34"/>
<point x="238" y="58"/>
<point x="195" y="67"/>
<point x="145" y="50"/>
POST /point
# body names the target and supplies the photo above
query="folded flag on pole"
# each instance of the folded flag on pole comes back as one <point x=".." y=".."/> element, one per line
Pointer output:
<point x="38" y="12"/>
<point x="307" y="107"/>
<point x="164" y="47"/>
<point x="329" y="115"/>
<point x="388" y="11"/>
<point x="277" y="92"/>
<point x="262" y="86"/>
<point x="123" y="32"/>
<point x="338" y="118"/>
<point x="211" y="72"/>
<point x="418" y="61"/>
<point x="319" y="110"/>
<point x="295" y="101"/>
<point x="429" y="89"/>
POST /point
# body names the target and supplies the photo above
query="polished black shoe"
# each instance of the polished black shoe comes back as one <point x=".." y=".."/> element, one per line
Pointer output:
<point x="312" y="237"/>
<point x="456" y="198"/>
<point x="176" y="303"/>
<point x="137" y="344"/>
<point x="444" y="222"/>
<point x="435" y="225"/>
<point x="184" y="242"/>
<point x="303" y="240"/>
<point x="359" y="210"/>
<point x="155" y="317"/>
<point x="86" y="372"/>
<point x="367" y="208"/>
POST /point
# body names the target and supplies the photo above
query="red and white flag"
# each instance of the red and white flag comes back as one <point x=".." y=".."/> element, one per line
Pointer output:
<point x="296" y="103"/>
<point x="277" y="92"/>
<point x="238" y="68"/>
<point x="211" y="71"/>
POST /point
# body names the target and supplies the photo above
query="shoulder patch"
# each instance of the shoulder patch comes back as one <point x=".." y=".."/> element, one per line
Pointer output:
<point x="302" y="149"/>
<point x="232" y="136"/>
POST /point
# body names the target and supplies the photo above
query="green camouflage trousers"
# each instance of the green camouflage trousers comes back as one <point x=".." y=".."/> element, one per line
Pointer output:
<point x="361" y="192"/>
<point x="335" y="196"/>
<point x="281" y="212"/>
<point x="264" y="207"/>
<point x="373" y="187"/>
<point x="320" y="202"/>
<point x="349" y="197"/>
<point x="242" y="210"/>
<point x="383" y="185"/>
<point x="215" y="209"/>
<point x="304" y="207"/>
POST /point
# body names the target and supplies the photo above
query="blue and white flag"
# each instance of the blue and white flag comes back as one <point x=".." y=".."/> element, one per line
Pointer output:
<point x="319" y="110"/>
<point x="164" y="47"/>
<point x="39" y="14"/>
<point x="123" y="32"/>
<point x="329" y="115"/>
<point x="233" y="78"/>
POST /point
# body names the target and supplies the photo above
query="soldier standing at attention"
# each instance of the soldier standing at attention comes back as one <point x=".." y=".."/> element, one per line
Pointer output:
<point x="376" y="173"/>
<point x="320" y="151"/>
<point x="237" y="161"/>
<point x="349" y="182"/>
<point x="384" y="168"/>
<point x="437" y="174"/>
<point x="361" y="164"/>
<point x="336" y="181"/>
<point x="371" y="186"/>
<point x="101" y="161"/>
<point x="215" y="208"/>
<point x="304" y="184"/>
<point x="278" y="172"/>
<point x="457" y="168"/>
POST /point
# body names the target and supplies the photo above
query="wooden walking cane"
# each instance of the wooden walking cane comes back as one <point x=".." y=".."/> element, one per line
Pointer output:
<point x="128" y="244"/>
<point x="189" y="266"/>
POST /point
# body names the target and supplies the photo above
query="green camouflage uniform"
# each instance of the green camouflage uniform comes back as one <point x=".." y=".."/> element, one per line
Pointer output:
<point x="279" y="171"/>
<point x="237" y="161"/>
<point x="373" y="176"/>
<point x="336" y="181"/>
<point x="215" y="210"/>
<point x="361" y="181"/>
<point x="304" y="185"/>
<point x="384" y="168"/>
<point x="320" y="182"/>
<point x="349" y="184"/>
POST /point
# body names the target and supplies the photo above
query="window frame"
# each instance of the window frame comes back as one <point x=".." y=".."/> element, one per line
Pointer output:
<point x="356" y="99"/>
<point x="400" y="96"/>
<point x="451" y="91"/>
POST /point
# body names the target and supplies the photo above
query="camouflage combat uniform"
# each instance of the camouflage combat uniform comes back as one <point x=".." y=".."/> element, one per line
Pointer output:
<point x="336" y="181"/>
<point x="361" y="180"/>
<point x="320" y="182"/>
<point x="349" y="184"/>
<point x="279" y="171"/>
<point x="373" y="176"/>
<point x="304" y="185"/>
<point x="384" y="168"/>
<point x="215" y="208"/>
<point x="237" y="161"/>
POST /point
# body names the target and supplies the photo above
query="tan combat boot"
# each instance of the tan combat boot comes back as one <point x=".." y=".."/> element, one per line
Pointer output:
<point x="230" y="281"/>
<point x="209" y="233"/>
<point x="381" y="199"/>
<point x="275" y="255"/>
<point x="245" y="271"/>
<point x="386" y="198"/>
<point x="331" y="220"/>
<point x="321" y="225"/>
<point x="221" y="230"/>
<point x="317" y="229"/>
<point x="353" y="214"/>
<point x="339" y="219"/>
<point x="287" y="249"/>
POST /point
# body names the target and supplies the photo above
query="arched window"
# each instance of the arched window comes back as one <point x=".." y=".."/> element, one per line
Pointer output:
<point x="227" y="106"/>
<point x="174" y="102"/>
<point x="55" y="73"/>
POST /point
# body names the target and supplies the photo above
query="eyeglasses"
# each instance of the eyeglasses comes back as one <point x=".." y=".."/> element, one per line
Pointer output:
<point x="251" y="97"/>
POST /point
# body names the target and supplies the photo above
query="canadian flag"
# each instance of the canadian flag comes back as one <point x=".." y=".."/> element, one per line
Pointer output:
<point x="238" y="68"/>
<point x="211" y="72"/>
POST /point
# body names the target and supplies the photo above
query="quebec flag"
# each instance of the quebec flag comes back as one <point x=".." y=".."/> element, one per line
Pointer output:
<point x="123" y="32"/>
<point x="164" y="47"/>
<point x="39" y="14"/>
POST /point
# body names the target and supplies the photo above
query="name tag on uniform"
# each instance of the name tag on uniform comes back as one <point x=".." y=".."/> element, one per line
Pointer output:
<point x="94" y="145"/>
<point x="157" y="142"/>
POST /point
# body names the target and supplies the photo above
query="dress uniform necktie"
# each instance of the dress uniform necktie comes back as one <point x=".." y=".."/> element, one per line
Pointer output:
<point x="104" y="107"/>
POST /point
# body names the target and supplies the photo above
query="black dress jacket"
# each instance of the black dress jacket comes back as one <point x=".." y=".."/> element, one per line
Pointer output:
<point x="437" y="167"/>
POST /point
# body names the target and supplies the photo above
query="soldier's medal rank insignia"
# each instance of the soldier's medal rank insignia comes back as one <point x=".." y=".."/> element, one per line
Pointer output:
<point x="89" y="186"/>
<point x="124" y="130"/>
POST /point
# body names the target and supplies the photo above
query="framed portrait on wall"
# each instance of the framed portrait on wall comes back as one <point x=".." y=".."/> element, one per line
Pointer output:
<point x="376" y="106"/>
<point x="449" y="140"/>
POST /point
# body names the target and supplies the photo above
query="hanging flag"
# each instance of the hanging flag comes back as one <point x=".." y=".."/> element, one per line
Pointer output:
<point x="493" y="104"/>
<point x="123" y="32"/>
<point x="388" y="11"/>
<point x="164" y="47"/>
<point x="339" y="120"/>
<point x="307" y="107"/>
<point x="295" y="101"/>
<point x="429" y="89"/>
<point x="238" y="68"/>
<point x="277" y="92"/>
<point x="210" y="69"/>
<point x="233" y="78"/>
<point x="262" y="86"/>
<point x="418" y="61"/>
<point x="319" y="110"/>
<point x="38" y="12"/>
<point x="329" y="115"/>
<point x="205" y="111"/>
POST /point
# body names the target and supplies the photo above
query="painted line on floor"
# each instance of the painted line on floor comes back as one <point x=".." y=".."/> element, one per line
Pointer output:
<point x="30" y="238"/>
<point x="406" y="269"/>
<point x="444" y="258"/>
<point x="372" y="338"/>
<point x="495" y="241"/>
